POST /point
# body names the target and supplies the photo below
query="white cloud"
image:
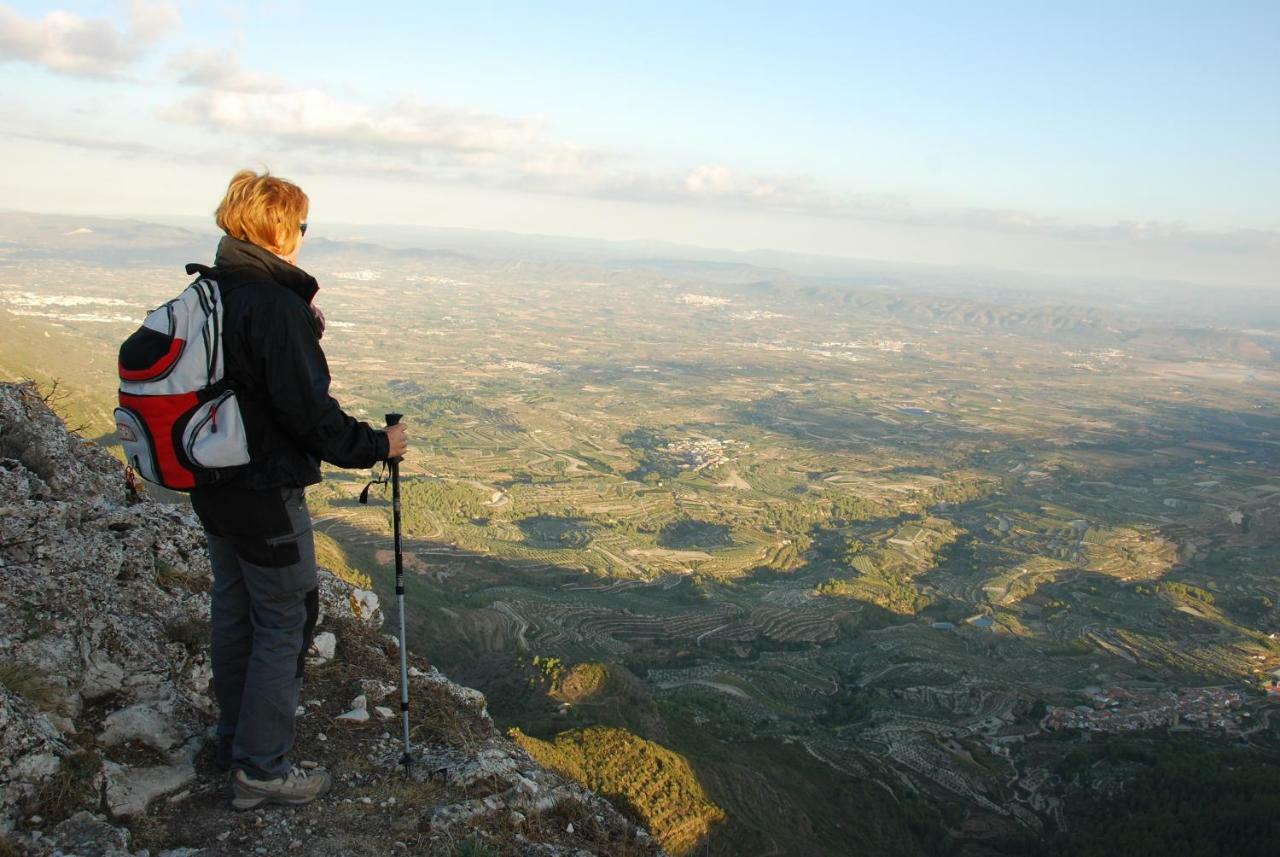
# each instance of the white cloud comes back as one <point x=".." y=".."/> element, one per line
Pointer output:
<point x="68" y="43"/>
<point x="407" y="137"/>
<point x="713" y="180"/>
<point x="410" y="139"/>
<point x="313" y="116"/>
<point x="221" y="70"/>
<point x="151" y="21"/>
<point x="414" y="140"/>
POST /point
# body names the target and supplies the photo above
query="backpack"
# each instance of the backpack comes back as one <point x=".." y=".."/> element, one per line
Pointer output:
<point x="179" y="421"/>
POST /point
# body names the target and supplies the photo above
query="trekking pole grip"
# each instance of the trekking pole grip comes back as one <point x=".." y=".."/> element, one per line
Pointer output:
<point x="393" y="419"/>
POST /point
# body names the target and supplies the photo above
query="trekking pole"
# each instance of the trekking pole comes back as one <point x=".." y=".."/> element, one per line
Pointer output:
<point x="394" y="465"/>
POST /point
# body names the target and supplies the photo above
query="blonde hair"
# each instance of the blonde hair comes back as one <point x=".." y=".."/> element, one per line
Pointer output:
<point x="263" y="210"/>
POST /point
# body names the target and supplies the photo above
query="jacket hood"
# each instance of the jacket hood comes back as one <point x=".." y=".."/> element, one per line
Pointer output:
<point x="236" y="254"/>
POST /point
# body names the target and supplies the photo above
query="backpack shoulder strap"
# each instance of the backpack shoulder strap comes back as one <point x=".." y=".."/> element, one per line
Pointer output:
<point x="225" y="283"/>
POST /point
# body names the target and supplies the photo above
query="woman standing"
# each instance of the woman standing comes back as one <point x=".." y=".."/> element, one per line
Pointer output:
<point x="265" y="600"/>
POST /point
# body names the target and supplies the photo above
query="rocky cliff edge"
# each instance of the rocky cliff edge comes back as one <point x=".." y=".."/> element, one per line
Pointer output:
<point x="106" y="712"/>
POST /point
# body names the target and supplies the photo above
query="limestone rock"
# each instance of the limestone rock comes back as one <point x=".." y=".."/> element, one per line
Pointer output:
<point x="152" y="723"/>
<point x="469" y="697"/>
<point x="368" y="606"/>
<point x="514" y="783"/>
<point x="355" y="715"/>
<point x="30" y="748"/>
<point x="130" y="790"/>
<point x="341" y="599"/>
<point x="87" y="835"/>
<point x="375" y="690"/>
<point x="324" y="646"/>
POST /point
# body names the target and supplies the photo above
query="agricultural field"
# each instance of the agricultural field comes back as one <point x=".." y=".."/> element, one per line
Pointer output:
<point x="838" y="546"/>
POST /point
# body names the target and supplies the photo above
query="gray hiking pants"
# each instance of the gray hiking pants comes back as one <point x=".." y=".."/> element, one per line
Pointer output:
<point x="264" y="610"/>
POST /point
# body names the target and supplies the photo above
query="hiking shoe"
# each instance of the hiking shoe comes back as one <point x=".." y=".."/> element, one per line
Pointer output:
<point x="294" y="790"/>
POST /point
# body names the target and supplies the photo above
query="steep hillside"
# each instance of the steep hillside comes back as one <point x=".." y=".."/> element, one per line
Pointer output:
<point x="105" y="709"/>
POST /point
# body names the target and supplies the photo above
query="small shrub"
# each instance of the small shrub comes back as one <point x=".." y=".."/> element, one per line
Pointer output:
<point x="193" y="634"/>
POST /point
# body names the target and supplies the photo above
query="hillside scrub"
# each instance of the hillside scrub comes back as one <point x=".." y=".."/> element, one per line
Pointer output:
<point x="659" y="785"/>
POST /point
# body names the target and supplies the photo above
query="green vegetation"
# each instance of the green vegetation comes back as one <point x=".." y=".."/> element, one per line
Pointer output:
<point x="886" y="572"/>
<point x="549" y="531"/>
<point x="1183" y="796"/>
<point x="1185" y="591"/>
<point x="332" y="556"/>
<point x="474" y="846"/>
<point x="690" y="534"/>
<point x="581" y="682"/>
<point x="422" y="501"/>
<point x="658" y="785"/>
<point x="655" y="461"/>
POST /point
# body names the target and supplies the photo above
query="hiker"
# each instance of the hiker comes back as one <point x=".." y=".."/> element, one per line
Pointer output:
<point x="265" y="600"/>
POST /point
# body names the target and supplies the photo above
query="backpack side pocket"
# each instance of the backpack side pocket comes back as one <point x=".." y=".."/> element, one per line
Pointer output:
<point x="139" y="448"/>
<point x="215" y="435"/>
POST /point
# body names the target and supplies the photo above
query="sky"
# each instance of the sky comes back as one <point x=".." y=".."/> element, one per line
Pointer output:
<point x="1119" y="139"/>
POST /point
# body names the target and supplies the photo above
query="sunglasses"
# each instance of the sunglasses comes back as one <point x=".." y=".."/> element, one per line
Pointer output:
<point x="302" y="227"/>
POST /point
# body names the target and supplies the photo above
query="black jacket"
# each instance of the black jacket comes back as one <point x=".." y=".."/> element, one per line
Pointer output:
<point x="274" y="363"/>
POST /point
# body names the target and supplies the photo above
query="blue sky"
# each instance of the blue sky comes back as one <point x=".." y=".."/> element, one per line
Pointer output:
<point x="1130" y="139"/>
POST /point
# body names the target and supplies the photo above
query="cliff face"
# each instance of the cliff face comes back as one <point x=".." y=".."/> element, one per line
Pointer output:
<point x="106" y="712"/>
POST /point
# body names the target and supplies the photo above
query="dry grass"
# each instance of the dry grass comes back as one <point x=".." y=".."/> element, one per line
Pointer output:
<point x="169" y="576"/>
<point x="68" y="791"/>
<point x="28" y="683"/>
<point x="590" y="833"/>
<point x="436" y="716"/>
<point x="408" y="792"/>
<point x="494" y="834"/>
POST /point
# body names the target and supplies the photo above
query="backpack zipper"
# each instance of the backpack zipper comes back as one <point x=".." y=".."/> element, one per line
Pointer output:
<point x="215" y="299"/>
<point x="205" y="293"/>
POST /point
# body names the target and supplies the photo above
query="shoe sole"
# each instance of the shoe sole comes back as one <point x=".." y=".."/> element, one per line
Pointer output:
<point x="243" y="803"/>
